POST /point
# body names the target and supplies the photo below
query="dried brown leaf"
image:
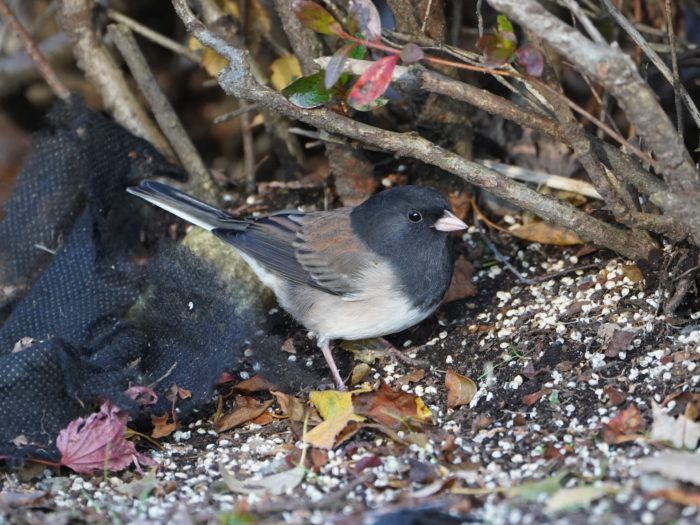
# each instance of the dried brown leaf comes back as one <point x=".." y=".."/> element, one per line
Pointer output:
<point x="460" y="389"/>
<point x="246" y="409"/>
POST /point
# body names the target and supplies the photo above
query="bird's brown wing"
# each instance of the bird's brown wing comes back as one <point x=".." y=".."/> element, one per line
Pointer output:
<point x="334" y="257"/>
<point x="315" y="249"/>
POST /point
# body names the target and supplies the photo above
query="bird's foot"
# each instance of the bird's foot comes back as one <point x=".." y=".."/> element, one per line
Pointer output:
<point x="402" y="357"/>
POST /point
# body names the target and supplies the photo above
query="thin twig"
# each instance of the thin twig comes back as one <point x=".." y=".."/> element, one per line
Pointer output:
<point x="56" y="84"/>
<point x="246" y="130"/>
<point x="76" y="19"/>
<point x="556" y="182"/>
<point x="635" y="35"/>
<point x="591" y="29"/>
<point x="18" y="70"/>
<point x="248" y="150"/>
<point x="497" y="253"/>
<point x="479" y="17"/>
<point x="437" y="83"/>
<point x="674" y="64"/>
<point x="162" y="109"/>
<point x="238" y="80"/>
<point x="426" y="16"/>
<point x="235" y="113"/>
<point x="152" y="35"/>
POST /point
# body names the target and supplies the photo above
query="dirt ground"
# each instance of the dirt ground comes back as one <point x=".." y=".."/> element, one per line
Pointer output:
<point x="562" y="427"/>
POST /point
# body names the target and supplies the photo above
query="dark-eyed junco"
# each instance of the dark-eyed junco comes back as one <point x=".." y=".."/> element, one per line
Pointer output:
<point x="349" y="273"/>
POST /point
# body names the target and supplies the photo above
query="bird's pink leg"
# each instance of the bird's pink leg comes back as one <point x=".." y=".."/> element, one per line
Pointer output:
<point x="326" y="349"/>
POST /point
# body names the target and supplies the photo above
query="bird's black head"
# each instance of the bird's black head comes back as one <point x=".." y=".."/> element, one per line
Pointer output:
<point x="408" y="226"/>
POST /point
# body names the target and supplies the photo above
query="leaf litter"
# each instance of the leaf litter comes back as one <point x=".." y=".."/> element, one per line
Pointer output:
<point x="530" y="433"/>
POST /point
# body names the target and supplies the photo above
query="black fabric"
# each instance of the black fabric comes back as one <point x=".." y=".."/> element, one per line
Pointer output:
<point x="101" y="320"/>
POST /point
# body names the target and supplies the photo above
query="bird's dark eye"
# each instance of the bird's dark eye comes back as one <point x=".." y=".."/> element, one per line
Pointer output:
<point x="414" y="216"/>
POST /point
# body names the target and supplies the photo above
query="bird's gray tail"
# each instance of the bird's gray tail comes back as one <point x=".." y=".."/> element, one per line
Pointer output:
<point x="187" y="207"/>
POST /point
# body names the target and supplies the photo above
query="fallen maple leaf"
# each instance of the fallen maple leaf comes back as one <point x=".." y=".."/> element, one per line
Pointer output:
<point x="97" y="443"/>
<point x="392" y="409"/>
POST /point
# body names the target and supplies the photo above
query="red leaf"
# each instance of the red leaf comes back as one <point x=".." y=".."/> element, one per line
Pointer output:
<point x="316" y="18"/>
<point x="366" y="18"/>
<point x="335" y="65"/>
<point x="373" y="82"/>
<point x="531" y="59"/>
<point x="98" y="443"/>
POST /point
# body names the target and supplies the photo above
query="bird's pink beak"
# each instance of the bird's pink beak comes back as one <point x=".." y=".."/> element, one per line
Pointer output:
<point x="449" y="222"/>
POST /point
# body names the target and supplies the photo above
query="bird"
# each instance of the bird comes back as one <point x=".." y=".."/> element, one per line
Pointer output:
<point x="349" y="273"/>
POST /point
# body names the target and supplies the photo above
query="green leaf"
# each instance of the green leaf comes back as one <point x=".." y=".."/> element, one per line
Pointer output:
<point x="554" y="397"/>
<point x="375" y="104"/>
<point x="308" y="92"/>
<point x="504" y="25"/>
<point x="497" y="49"/>
<point x="531" y="491"/>
<point x="316" y="18"/>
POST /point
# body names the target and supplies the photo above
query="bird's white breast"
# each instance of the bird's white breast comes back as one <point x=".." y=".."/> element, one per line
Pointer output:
<point x="379" y="310"/>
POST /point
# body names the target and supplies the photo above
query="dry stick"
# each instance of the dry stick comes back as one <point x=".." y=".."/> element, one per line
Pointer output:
<point x="152" y="35"/>
<point x="416" y="78"/>
<point x="617" y="73"/>
<point x="104" y="74"/>
<point x="674" y="63"/>
<point x="238" y="81"/>
<point x="235" y="113"/>
<point x="246" y="131"/>
<point x="18" y="70"/>
<point x="652" y="55"/>
<point x="57" y="86"/>
<point x="591" y="29"/>
<point x="162" y="110"/>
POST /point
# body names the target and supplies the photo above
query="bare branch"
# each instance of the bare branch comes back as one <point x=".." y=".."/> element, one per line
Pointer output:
<point x="19" y="69"/>
<point x="618" y="74"/>
<point x="104" y="74"/>
<point x="674" y="63"/>
<point x="415" y="78"/>
<point x="57" y="86"/>
<point x="238" y="81"/>
<point x="153" y="36"/>
<point x="162" y="109"/>
<point x="653" y="56"/>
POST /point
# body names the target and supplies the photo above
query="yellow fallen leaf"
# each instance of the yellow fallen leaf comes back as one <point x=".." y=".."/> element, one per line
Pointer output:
<point x="337" y="411"/>
<point x="284" y="70"/>
<point x="545" y="233"/>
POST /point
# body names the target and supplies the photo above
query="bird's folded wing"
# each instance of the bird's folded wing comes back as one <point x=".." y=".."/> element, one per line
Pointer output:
<point x="316" y="249"/>
<point x="333" y="256"/>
